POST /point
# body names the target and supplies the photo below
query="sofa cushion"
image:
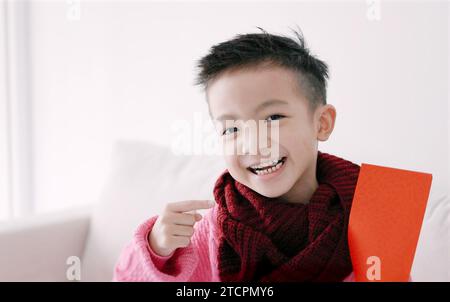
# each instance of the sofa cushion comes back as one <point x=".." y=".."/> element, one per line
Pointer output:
<point x="432" y="258"/>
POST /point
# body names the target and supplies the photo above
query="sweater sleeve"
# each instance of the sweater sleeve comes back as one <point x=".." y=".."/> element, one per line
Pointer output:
<point x="138" y="262"/>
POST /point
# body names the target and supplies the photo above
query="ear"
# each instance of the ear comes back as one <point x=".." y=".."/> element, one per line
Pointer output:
<point x="326" y="117"/>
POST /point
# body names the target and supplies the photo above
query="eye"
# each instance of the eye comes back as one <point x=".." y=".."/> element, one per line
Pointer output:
<point x="229" y="130"/>
<point x="274" y="117"/>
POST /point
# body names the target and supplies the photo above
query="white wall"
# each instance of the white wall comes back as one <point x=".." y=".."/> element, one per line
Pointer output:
<point x="125" y="70"/>
<point x="4" y="175"/>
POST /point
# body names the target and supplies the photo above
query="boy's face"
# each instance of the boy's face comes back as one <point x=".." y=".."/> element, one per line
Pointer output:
<point x="240" y="95"/>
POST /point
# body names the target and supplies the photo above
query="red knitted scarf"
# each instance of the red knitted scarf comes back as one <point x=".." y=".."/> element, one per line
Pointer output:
<point x="263" y="239"/>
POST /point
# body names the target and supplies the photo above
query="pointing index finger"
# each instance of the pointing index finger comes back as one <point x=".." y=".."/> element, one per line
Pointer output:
<point x="190" y="205"/>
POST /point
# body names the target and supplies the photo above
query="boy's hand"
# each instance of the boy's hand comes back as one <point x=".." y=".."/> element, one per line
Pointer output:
<point x="175" y="227"/>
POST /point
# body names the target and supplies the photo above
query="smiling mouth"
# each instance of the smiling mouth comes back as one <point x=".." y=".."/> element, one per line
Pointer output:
<point x="267" y="168"/>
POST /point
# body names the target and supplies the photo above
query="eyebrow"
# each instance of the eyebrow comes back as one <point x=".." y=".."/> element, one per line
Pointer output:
<point x="260" y="107"/>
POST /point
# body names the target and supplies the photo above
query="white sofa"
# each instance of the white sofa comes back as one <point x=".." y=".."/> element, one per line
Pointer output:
<point x="143" y="178"/>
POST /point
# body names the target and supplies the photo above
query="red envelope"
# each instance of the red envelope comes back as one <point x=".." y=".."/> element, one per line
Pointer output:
<point x="385" y="220"/>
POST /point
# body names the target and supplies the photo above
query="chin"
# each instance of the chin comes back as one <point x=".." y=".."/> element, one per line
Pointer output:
<point x="270" y="193"/>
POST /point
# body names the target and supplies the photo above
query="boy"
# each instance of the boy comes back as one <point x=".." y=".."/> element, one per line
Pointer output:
<point x="276" y="217"/>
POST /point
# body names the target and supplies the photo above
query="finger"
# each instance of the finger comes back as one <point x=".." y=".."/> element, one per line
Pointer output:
<point x="184" y="219"/>
<point x="194" y="213"/>
<point x="191" y="212"/>
<point x="198" y="217"/>
<point x="189" y="205"/>
<point x="182" y="230"/>
<point x="181" y="241"/>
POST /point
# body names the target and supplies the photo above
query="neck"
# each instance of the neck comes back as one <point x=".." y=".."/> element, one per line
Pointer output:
<point x="303" y="189"/>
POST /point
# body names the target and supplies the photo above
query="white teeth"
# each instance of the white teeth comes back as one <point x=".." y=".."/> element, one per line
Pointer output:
<point x="265" y="164"/>
<point x="269" y="170"/>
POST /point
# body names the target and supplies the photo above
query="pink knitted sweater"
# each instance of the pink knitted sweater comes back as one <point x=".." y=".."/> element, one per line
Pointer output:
<point x="197" y="262"/>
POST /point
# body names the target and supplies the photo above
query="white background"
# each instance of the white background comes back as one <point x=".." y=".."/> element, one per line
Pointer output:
<point x="126" y="70"/>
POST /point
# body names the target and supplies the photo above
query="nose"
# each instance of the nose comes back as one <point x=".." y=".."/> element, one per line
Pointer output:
<point x="245" y="147"/>
<point x="249" y="137"/>
<point x="257" y="144"/>
<point x="252" y="144"/>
